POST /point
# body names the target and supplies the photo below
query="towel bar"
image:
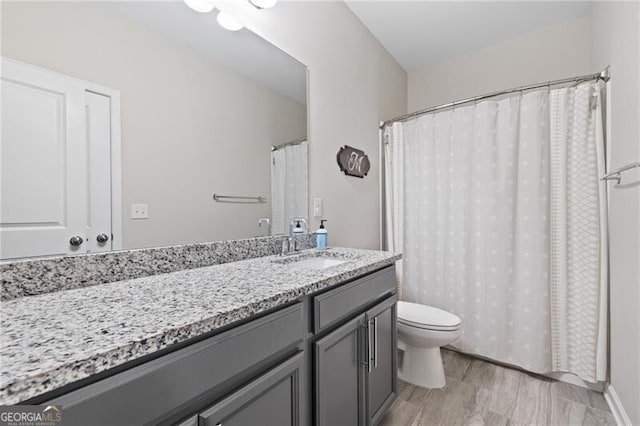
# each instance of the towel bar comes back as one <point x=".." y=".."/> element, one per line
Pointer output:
<point x="238" y="198"/>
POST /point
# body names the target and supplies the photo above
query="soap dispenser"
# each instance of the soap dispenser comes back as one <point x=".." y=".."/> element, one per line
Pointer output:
<point x="298" y="229"/>
<point x="322" y="235"/>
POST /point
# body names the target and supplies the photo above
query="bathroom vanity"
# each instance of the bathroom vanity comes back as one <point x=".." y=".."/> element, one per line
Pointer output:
<point x="297" y="340"/>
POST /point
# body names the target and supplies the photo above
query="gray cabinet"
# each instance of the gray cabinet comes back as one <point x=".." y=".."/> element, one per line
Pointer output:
<point x="355" y="368"/>
<point x="158" y="391"/>
<point x="272" y="399"/>
<point x="339" y="376"/>
<point x="381" y="377"/>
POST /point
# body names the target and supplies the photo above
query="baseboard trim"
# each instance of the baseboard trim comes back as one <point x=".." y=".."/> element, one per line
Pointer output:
<point x="619" y="414"/>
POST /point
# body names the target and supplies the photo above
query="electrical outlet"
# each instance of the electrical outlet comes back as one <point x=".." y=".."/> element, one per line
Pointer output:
<point x="139" y="211"/>
<point x="317" y="207"/>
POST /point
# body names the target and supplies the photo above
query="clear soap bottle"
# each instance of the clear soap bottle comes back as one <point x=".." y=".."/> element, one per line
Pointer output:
<point x="322" y="236"/>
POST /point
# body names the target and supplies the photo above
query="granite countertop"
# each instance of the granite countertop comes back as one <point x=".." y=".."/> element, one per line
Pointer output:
<point x="53" y="339"/>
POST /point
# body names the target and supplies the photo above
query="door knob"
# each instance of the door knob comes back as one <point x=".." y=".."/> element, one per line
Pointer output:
<point x="76" y="240"/>
<point x="102" y="238"/>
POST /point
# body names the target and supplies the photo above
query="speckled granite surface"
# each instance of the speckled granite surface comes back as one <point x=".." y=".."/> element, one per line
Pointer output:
<point x="54" y="339"/>
<point x="44" y="275"/>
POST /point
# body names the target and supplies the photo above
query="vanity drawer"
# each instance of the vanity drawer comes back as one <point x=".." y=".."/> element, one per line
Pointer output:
<point x="162" y="387"/>
<point x="342" y="302"/>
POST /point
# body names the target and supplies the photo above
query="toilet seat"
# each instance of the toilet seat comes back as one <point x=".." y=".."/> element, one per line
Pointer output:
<point x="427" y="317"/>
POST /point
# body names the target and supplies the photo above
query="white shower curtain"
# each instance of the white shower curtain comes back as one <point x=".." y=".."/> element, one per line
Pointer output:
<point x="475" y="201"/>
<point x="289" y="186"/>
<point x="394" y="184"/>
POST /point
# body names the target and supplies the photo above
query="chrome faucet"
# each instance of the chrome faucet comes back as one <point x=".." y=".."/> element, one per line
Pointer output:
<point x="287" y="243"/>
<point x="295" y="220"/>
<point x="290" y="243"/>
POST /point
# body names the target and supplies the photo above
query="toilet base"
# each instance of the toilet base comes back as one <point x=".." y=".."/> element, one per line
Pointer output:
<point x="421" y="367"/>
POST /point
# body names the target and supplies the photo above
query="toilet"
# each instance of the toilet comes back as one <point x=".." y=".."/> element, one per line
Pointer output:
<point x="422" y="330"/>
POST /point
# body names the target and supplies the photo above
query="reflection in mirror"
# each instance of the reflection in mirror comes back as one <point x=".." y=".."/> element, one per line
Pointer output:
<point x="122" y="119"/>
<point x="289" y="185"/>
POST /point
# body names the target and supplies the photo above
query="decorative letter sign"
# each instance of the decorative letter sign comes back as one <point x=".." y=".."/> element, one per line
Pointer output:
<point x="353" y="162"/>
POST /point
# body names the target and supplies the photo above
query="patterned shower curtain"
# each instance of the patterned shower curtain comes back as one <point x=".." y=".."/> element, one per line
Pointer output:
<point x="501" y="216"/>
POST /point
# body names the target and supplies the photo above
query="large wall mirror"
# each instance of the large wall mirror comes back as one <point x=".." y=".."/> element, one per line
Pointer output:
<point x="121" y="120"/>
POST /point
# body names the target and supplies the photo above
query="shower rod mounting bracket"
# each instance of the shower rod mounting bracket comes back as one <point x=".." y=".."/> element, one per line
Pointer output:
<point x="617" y="173"/>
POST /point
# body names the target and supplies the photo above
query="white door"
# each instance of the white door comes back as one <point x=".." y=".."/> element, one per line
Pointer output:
<point x="98" y="231"/>
<point x="50" y="132"/>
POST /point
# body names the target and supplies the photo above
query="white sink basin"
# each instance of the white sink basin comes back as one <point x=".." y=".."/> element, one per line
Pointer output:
<point x="317" y="263"/>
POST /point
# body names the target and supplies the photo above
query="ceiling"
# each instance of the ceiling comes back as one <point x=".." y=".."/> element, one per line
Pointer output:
<point x="418" y="33"/>
<point x="242" y="51"/>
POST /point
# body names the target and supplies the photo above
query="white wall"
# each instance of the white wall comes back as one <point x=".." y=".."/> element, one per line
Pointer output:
<point x="616" y="41"/>
<point x="353" y="82"/>
<point x="185" y="132"/>
<point x="550" y="53"/>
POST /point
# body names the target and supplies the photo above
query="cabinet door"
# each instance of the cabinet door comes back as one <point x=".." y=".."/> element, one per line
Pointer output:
<point x="339" y="380"/>
<point x="272" y="399"/>
<point x="381" y="378"/>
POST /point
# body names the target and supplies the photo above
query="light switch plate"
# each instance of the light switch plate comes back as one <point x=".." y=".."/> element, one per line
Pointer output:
<point x="317" y="207"/>
<point x="139" y="211"/>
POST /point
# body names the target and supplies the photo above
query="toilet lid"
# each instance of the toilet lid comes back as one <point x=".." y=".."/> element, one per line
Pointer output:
<point x="424" y="316"/>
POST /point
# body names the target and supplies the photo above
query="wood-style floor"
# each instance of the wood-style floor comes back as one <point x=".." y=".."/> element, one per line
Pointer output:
<point x="483" y="393"/>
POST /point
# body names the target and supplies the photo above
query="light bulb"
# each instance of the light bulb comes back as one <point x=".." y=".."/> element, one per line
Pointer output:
<point x="264" y="4"/>
<point x="229" y="23"/>
<point x="202" y="6"/>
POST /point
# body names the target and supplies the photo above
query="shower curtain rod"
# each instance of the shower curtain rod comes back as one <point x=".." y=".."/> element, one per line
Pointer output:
<point x="602" y="75"/>
<point x="290" y="143"/>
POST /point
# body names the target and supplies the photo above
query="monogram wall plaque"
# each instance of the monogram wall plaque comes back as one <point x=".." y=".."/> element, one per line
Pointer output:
<point x="353" y="162"/>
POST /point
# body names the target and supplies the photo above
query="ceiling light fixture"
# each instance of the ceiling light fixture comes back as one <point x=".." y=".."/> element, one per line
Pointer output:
<point x="202" y="6"/>
<point x="228" y="23"/>
<point x="263" y="4"/>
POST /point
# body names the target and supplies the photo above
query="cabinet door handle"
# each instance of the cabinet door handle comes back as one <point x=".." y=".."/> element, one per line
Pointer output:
<point x="369" y="347"/>
<point x="368" y="343"/>
<point x="375" y="345"/>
